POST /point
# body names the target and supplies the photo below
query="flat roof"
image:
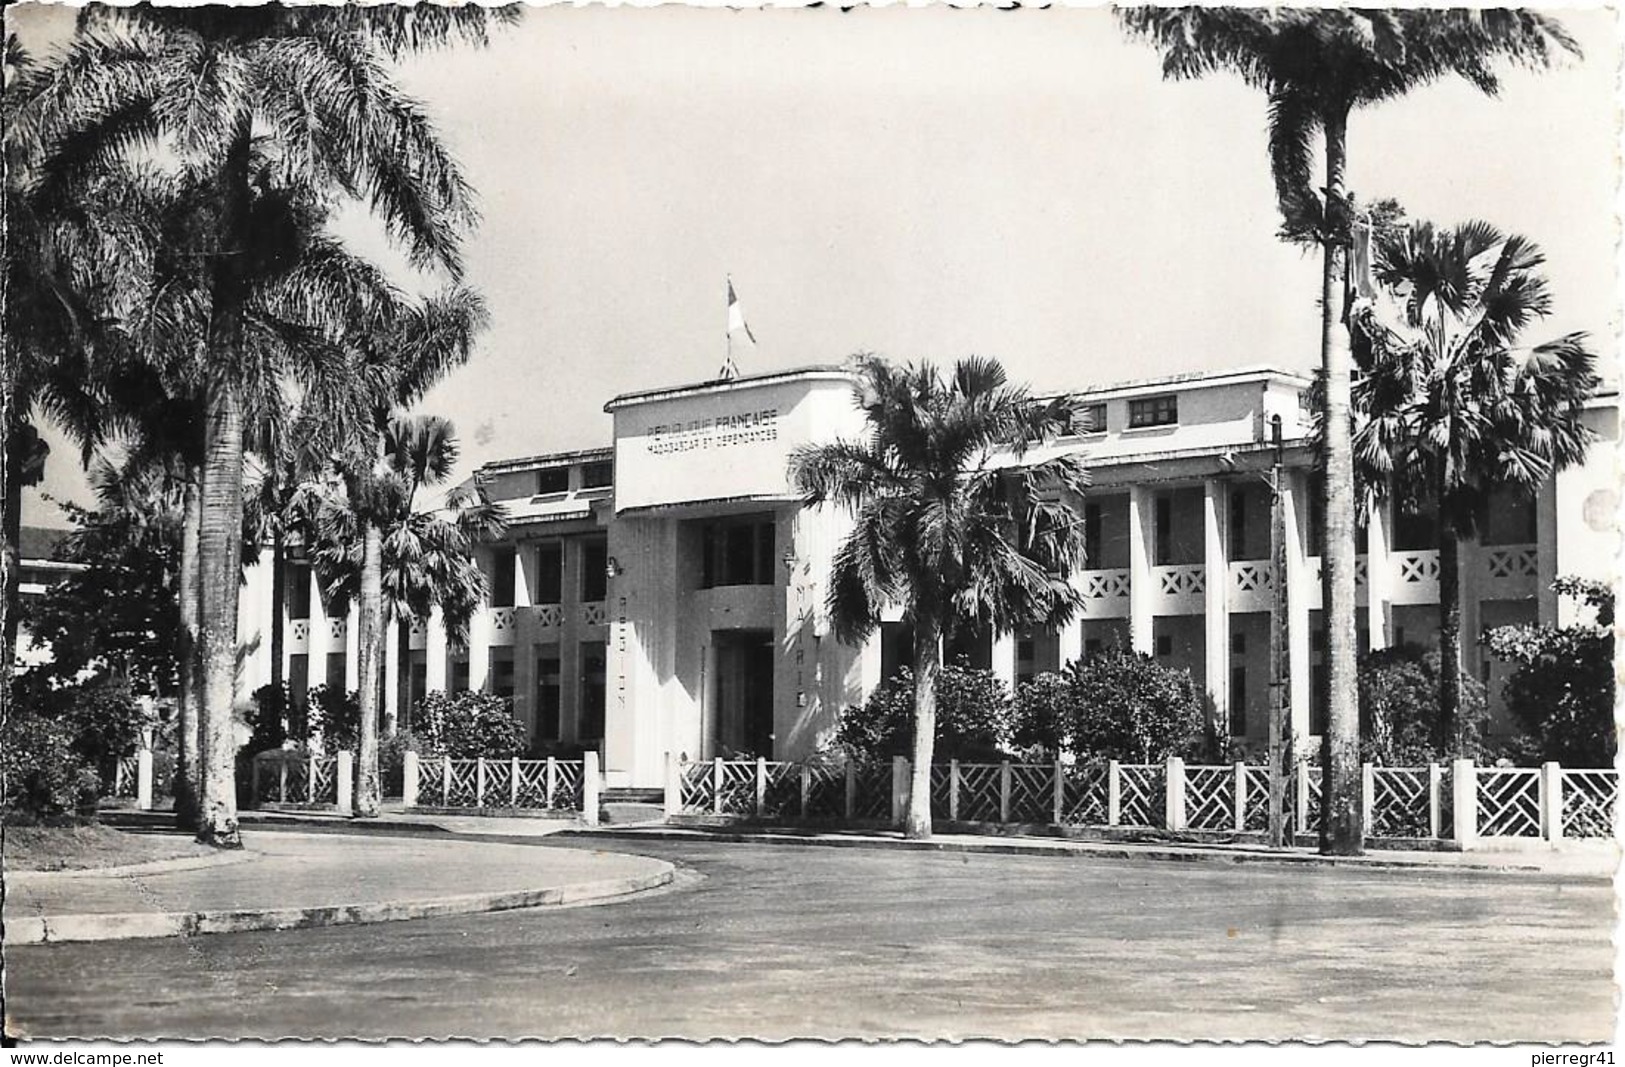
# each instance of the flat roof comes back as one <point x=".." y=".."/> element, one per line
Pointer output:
<point x="548" y="459"/>
<point x="644" y="396"/>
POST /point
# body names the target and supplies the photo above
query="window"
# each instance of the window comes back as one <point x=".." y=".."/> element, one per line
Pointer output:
<point x="1238" y="701"/>
<point x="548" y="692"/>
<point x="597" y="475"/>
<point x="550" y="573"/>
<point x="298" y="679"/>
<point x="458" y="682"/>
<point x="335" y="671"/>
<point x="1164" y="522"/>
<point x="1238" y="644"/>
<point x="1317" y="639"/>
<point x="594" y="570"/>
<point x="1091" y="645"/>
<point x="1089" y="418"/>
<point x="502" y="672"/>
<point x="592" y="691"/>
<point x="299" y="591"/>
<point x="1153" y="411"/>
<point x="552" y="480"/>
<point x="738" y="552"/>
<point x="502" y="558"/>
<point x="1091" y="535"/>
<point x="1238" y="524"/>
<point x="1165" y="645"/>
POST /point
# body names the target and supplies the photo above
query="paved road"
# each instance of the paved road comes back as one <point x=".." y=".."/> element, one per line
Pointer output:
<point x="782" y="942"/>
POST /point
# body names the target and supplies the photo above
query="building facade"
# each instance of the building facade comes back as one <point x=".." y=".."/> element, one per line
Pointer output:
<point x="666" y="594"/>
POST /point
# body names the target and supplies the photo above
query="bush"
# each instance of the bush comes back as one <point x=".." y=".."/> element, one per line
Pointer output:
<point x="335" y="717"/>
<point x="1044" y="714"/>
<point x="392" y="760"/>
<point x="974" y="717"/>
<point x="1399" y="709"/>
<point x="1127" y="706"/>
<point x="62" y="741"/>
<point x="468" y="725"/>
<point x="41" y="772"/>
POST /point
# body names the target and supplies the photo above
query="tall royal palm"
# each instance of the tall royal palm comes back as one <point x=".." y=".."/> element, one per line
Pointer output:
<point x="1449" y="407"/>
<point x="950" y="520"/>
<point x="1316" y="66"/>
<point x="308" y="87"/>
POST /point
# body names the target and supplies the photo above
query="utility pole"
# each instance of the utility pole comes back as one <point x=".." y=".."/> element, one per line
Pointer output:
<point x="1280" y="728"/>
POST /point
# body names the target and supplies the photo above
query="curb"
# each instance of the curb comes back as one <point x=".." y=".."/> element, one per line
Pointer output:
<point x="132" y="870"/>
<point x="53" y="929"/>
<point x="1110" y="852"/>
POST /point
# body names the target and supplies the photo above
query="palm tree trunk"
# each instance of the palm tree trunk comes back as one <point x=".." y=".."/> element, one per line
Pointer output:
<point x="1342" y="832"/>
<point x="279" y="598"/>
<point x="13" y="546"/>
<point x="370" y="646"/>
<point x="190" y="695"/>
<point x="927" y="665"/>
<point x="220" y="549"/>
<point x="1449" y="641"/>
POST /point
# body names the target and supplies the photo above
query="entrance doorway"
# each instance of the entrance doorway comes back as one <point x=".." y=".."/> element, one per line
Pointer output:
<point x="744" y="688"/>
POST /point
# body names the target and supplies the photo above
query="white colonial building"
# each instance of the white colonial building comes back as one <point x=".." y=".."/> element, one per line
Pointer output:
<point x="666" y="594"/>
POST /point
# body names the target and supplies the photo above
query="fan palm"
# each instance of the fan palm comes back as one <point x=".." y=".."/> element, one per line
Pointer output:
<point x="950" y="521"/>
<point x="307" y="88"/>
<point x="1316" y="66"/>
<point x="1449" y="407"/>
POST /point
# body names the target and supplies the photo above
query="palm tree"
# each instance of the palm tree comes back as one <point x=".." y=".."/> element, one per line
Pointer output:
<point x="306" y="90"/>
<point x="1316" y="66"/>
<point x="370" y="539"/>
<point x="949" y="521"/>
<point x="1449" y="407"/>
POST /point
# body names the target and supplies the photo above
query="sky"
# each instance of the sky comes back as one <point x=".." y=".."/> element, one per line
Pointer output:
<point x="927" y="183"/>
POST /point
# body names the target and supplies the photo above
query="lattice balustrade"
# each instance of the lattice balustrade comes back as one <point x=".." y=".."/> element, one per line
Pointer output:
<point x="498" y="783"/>
<point x="430" y="775"/>
<point x="336" y="629"/>
<point x="464" y="782"/>
<point x="1032" y="792"/>
<point x="549" y="616"/>
<point x="1142" y="794"/>
<point x="1418" y="568"/>
<point x="782" y="796"/>
<point x="826" y="792"/>
<point x="1105" y="585"/>
<point x="873" y="799"/>
<point x="941" y="774"/>
<point x="1252" y="576"/>
<point x="1362" y="571"/>
<point x="299" y="631"/>
<point x="979" y="792"/>
<point x="738" y="787"/>
<point x="1399" y="802"/>
<point x="1511" y="561"/>
<point x="594" y="614"/>
<point x="1084" y="796"/>
<point x="1210" y="798"/>
<point x="1589" y="801"/>
<point x="1181" y="581"/>
<point x="696" y="788"/>
<point x="1256" y="799"/>
<point x="1508" y="802"/>
<point x="1310" y="785"/>
<point x="502" y="622"/>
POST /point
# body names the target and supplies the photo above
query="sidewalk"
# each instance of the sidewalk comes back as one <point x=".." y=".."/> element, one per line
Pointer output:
<point x="285" y="880"/>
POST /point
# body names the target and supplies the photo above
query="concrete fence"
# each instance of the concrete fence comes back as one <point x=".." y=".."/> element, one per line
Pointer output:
<point x="514" y="784"/>
<point x="1461" y="803"/>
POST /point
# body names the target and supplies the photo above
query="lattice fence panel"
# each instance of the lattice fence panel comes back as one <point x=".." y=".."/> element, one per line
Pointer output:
<point x="124" y="778"/>
<point x="697" y="788"/>
<point x="782" y="797"/>
<point x="1508" y="802"/>
<point x="1084" y="801"/>
<point x="873" y="800"/>
<point x="429" y="778"/>
<point x="461" y="793"/>
<point x="1256" y="802"/>
<point x="1032" y="793"/>
<point x="1142" y="794"/>
<point x="1589" y="801"/>
<point x="941" y="783"/>
<point x="1210" y="798"/>
<point x="532" y="789"/>
<point x="1311" y="819"/>
<point x="979" y="792"/>
<point x="826" y="792"/>
<point x="324" y="785"/>
<point x="1399" y="802"/>
<point x="568" y="787"/>
<point x="738" y="787"/>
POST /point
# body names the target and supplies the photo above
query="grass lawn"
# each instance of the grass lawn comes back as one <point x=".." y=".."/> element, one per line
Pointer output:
<point x="81" y="847"/>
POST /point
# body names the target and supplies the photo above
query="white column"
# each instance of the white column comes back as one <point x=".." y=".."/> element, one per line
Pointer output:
<point x="1070" y="642"/>
<point x="1141" y="535"/>
<point x="352" y="648"/>
<point x="1546" y="552"/>
<point x="434" y="653"/>
<point x="524" y="564"/>
<point x="1379" y="612"/>
<point x="1215" y="605"/>
<point x="479" y="638"/>
<point x="394" y="658"/>
<point x="1002" y="659"/>
<point x="1295" y="502"/>
<point x="320" y="641"/>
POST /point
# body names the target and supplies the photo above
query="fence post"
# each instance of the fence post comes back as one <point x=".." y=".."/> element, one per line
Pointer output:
<point x="674" y="785"/>
<point x="1058" y="810"/>
<point x="589" y="787"/>
<point x="761" y="785"/>
<point x="851" y="788"/>
<point x="1435" y="814"/>
<point x="409" y="778"/>
<point x="1464" y="803"/>
<point x="343" y="781"/>
<point x="717" y="775"/>
<point x="1174" y="795"/>
<point x="1551" y="802"/>
<point x="953" y="790"/>
<point x="513" y="782"/>
<point x="899" y="789"/>
<point x="1368" y="794"/>
<point x="310" y="779"/>
<point x="143" y="779"/>
<point x="806" y="787"/>
<point x="552" y="779"/>
<point x="1004" y="791"/>
<point x="1114" y="793"/>
<point x="1300" y="824"/>
<point x="445" y="781"/>
<point x="479" y="781"/>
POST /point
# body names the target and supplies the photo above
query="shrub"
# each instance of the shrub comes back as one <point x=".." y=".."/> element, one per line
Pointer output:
<point x="468" y="725"/>
<point x="392" y="760"/>
<point x="335" y="717"/>
<point x="974" y="714"/>
<point x="1044" y="714"/>
<point x="1399" y="709"/>
<point x="62" y="741"/>
<point x="1562" y="692"/>
<point x="41" y="772"/>
<point x="1127" y="706"/>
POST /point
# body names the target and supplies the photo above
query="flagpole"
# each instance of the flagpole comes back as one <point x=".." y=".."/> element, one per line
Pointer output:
<point x="728" y="334"/>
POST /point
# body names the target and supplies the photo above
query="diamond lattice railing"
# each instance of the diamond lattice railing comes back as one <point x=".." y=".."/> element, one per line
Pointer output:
<point x="1508" y="802"/>
<point x="463" y="784"/>
<point x="1032" y="792"/>
<point x="1256" y="804"/>
<point x="1084" y="801"/>
<point x="738" y="787"/>
<point x="1589" y="801"/>
<point x="498" y="783"/>
<point x="697" y="788"/>
<point x="1399" y="802"/>
<point x="979" y="792"/>
<point x="1210" y="798"/>
<point x="1141" y="794"/>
